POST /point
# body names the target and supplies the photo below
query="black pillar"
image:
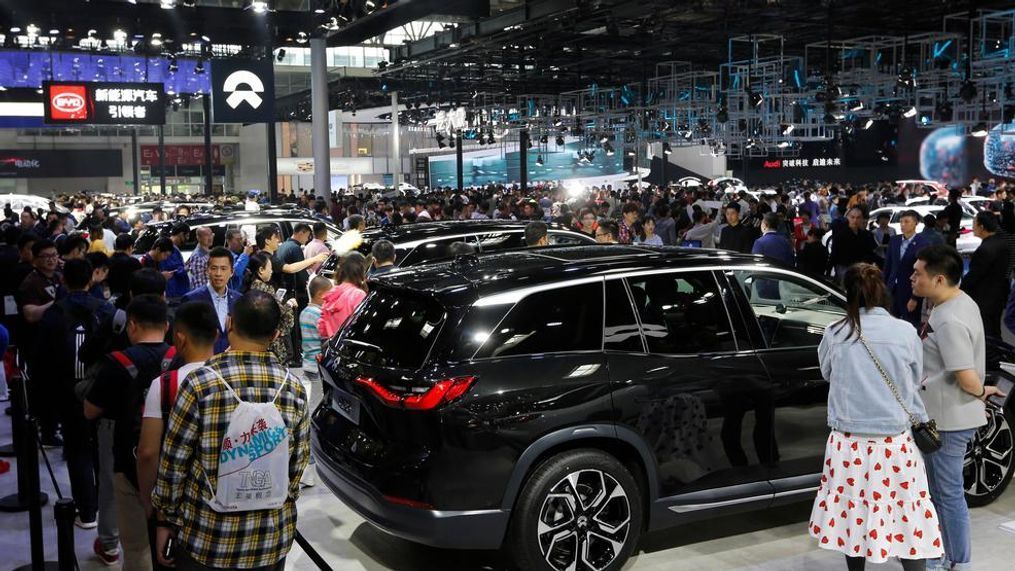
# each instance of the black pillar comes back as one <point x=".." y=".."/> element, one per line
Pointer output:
<point x="134" y="161"/>
<point x="459" y="143"/>
<point x="666" y="159"/>
<point x="206" y="102"/>
<point x="523" y="154"/>
<point x="162" y="160"/>
<point x="273" y="168"/>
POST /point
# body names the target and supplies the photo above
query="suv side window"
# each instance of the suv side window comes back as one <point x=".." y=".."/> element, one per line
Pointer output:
<point x="250" y="231"/>
<point x="791" y="311"/>
<point x="682" y="313"/>
<point x="620" y="331"/>
<point x="562" y="239"/>
<point x="497" y="241"/>
<point x="434" y="251"/>
<point x="554" y="321"/>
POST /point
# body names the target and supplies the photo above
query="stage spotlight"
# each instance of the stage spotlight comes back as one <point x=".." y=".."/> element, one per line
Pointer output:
<point x="530" y="143"/>
<point x="868" y="124"/>
<point x="560" y="141"/>
<point x="167" y="4"/>
<point x="280" y="55"/>
<point x="722" y="115"/>
<point x="979" y="130"/>
<point x="539" y="160"/>
<point x="259" y="6"/>
<point x="784" y="145"/>
<point x="787" y="128"/>
<point x="756" y="99"/>
<point x="604" y="140"/>
<point x="667" y="150"/>
<point x="543" y="140"/>
<point x="911" y="112"/>
<point x="967" y="91"/>
<point x="610" y="151"/>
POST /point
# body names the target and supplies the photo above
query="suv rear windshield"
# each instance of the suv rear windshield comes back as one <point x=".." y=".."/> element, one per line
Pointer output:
<point x="147" y="239"/>
<point x="394" y="329"/>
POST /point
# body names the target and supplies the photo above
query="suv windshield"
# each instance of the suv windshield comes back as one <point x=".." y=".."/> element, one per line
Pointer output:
<point x="146" y="240"/>
<point x="393" y="330"/>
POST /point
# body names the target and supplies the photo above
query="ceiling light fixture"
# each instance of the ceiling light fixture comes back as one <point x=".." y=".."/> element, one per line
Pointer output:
<point x="979" y="130"/>
<point x="667" y="150"/>
<point x="167" y="4"/>
<point x="868" y="124"/>
<point x="911" y="112"/>
<point x="787" y="128"/>
<point x="539" y="160"/>
<point x="156" y="40"/>
<point x="259" y="6"/>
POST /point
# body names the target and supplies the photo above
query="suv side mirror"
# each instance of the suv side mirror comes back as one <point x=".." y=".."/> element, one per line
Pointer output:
<point x="780" y="308"/>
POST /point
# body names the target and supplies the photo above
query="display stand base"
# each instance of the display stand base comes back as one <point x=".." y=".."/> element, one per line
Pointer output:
<point x="12" y="503"/>
<point x="7" y="451"/>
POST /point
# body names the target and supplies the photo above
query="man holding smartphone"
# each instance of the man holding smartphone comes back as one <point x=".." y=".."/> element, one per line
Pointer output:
<point x="954" y="369"/>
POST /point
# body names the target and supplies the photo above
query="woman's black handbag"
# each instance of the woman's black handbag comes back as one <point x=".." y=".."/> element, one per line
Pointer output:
<point x="925" y="434"/>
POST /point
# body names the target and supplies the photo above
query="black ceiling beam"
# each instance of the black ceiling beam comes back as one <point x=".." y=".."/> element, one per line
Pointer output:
<point x="401" y="13"/>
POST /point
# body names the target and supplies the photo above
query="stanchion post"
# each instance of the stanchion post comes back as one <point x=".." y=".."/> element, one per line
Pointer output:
<point x="25" y="451"/>
<point x="63" y="512"/>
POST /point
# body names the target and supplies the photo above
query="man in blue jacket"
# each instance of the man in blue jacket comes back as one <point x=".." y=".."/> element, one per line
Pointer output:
<point x="217" y="292"/>
<point x="899" y="259"/>
<point x="772" y="244"/>
<point x="177" y="282"/>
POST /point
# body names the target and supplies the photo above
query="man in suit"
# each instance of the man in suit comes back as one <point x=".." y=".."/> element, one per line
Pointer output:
<point x="217" y="292"/>
<point x="987" y="279"/>
<point x="899" y="259"/>
<point x="772" y="244"/>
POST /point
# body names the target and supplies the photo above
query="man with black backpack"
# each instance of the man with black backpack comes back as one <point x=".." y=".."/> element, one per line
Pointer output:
<point x="118" y="393"/>
<point x="65" y="326"/>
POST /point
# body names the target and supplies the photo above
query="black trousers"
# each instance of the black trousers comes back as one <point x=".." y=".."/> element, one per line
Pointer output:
<point x="79" y="449"/>
<point x="185" y="563"/>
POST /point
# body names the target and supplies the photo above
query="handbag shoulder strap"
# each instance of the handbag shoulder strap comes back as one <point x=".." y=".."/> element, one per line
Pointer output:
<point x="888" y="381"/>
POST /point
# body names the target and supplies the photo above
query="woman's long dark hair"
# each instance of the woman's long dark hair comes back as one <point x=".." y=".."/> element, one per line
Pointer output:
<point x="254" y="266"/>
<point x="353" y="269"/>
<point x="865" y="289"/>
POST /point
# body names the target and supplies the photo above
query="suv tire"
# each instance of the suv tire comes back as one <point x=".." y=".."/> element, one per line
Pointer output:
<point x="990" y="458"/>
<point x="580" y="510"/>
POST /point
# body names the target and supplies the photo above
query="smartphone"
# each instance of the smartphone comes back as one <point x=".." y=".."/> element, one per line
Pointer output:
<point x="170" y="551"/>
<point x="1005" y="385"/>
<point x="280" y="294"/>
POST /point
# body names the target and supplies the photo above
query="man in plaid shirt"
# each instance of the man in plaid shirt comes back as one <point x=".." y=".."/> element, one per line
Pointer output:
<point x="197" y="264"/>
<point x="207" y="539"/>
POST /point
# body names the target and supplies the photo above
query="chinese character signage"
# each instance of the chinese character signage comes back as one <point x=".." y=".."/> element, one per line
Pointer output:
<point x="18" y="163"/>
<point x="801" y="163"/>
<point x="104" y="103"/>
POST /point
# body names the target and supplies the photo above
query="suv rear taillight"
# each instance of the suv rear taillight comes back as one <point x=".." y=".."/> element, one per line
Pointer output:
<point x="964" y="231"/>
<point x="442" y="392"/>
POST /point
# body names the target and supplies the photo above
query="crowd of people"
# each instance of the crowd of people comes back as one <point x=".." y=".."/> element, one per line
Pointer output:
<point x="146" y="451"/>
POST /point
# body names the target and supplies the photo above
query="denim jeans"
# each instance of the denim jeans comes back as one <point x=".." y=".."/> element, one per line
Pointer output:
<point x="109" y="534"/>
<point x="947" y="489"/>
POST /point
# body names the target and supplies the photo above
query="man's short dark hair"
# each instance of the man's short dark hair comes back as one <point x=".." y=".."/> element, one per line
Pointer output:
<point x="97" y="260"/>
<point x="123" y="242"/>
<point x="265" y="234"/>
<point x="231" y="233"/>
<point x="942" y="260"/>
<point x="41" y="245"/>
<point x="198" y="320"/>
<point x="71" y="243"/>
<point x="180" y="228"/>
<point x="95" y="232"/>
<point x="163" y="244"/>
<point x="988" y="221"/>
<point x="77" y="274"/>
<point x="354" y="221"/>
<point x="148" y="311"/>
<point x="146" y="281"/>
<point x="27" y="239"/>
<point x="256" y="316"/>
<point x="220" y="252"/>
<point x="383" y="251"/>
<point x="733" y="206"/>
<point x="884" y="215"/>
<point x="301" y="227"/>
<point x="771" y="221"/>
<point x="534" y="232"/>
<point x="609" y="227"/>
<point x="629" y="207"/>
<point x="909" y="214"/>
<point x="320" y="230"/>
<point x="930" y="220"/>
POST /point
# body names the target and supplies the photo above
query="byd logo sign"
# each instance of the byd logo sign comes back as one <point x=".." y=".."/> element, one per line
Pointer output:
<point x="251" y="82"/>
<point x="68" y="102"/>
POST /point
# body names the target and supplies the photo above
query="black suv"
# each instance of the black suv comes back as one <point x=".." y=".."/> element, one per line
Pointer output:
<point x="427" y="242"/>
<point x="560" y="402"/>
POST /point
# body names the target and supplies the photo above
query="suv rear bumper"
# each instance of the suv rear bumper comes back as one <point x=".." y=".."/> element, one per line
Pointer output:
<point x="472" y="529"/>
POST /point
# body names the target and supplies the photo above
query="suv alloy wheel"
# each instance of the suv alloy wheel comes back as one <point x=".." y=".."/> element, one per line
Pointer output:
<point x="990" y="458"/>
<point x="580" y="510"/>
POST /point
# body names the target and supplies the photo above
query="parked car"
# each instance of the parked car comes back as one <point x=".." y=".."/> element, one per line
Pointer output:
<point x="967" y="242"/>
<point x="429" y="241"/>
<point x="560" y="402"/>
<point x="247" y="222"/>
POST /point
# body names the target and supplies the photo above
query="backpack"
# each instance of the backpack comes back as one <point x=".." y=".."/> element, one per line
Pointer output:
<point x="253" y="470"/>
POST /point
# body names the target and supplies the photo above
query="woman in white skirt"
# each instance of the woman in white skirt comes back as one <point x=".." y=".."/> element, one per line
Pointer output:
<point x="873" y="503"/>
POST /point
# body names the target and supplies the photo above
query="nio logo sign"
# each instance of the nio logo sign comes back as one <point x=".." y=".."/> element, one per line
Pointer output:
<point x="250" y="96"/>
<point x="68" y="102"/>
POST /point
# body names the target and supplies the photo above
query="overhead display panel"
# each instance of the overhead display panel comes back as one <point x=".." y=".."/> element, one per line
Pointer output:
<point x="103" y="103"/>
<point x="243" y="91"/>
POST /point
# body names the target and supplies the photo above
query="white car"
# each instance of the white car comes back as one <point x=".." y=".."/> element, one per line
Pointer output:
<point x="18" y="202"/>
<point x="926" y="187"/>
<point x="970" y="204"/>
<point x="967" y="242"/>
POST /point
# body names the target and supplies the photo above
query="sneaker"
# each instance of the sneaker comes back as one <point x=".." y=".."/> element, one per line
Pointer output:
<point x="86" y="524"/>
<point x="51" y="441"/>
<point x="309" y="477"/>
<point x="108" y="557"/>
